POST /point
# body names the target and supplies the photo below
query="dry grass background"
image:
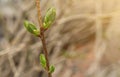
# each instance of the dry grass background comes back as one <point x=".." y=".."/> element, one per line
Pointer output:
<point x="83" y="41"/>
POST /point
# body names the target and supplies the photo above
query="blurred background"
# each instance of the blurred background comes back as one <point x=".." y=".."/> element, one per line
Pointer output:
<point x="84" y="41"/>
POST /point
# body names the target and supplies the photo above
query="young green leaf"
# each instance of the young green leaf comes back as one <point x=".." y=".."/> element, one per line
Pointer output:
<point x="31" y="28"/>
<point x="52" y="69"/>
<point x="42" y="60"/>
<point x="49" y="17"/>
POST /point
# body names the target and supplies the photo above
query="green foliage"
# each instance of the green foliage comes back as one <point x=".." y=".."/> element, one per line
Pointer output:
<point x="48" y="20"/>
<point x="42" y="60"/>
<point x="31" y="28"/>
<point x="49" y="17"/>
<point x="52" y="69"/>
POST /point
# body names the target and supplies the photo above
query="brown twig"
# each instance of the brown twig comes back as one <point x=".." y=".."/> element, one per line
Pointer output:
<point x="42" y="36"/>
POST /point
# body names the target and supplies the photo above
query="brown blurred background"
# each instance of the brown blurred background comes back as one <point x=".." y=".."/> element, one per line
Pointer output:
<point x="84" y="40"/>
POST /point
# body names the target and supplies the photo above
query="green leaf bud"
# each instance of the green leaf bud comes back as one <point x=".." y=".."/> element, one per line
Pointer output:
<point x="52" y="69"/>
<point x="49" y="17"/>
<point x="31" y="28"/>
<point x="42" y="60"/>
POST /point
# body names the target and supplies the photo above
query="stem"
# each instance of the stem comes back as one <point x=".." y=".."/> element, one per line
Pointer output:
<point x="42" y="37"/>
<point x="39" y="13"/>
<point x="46" y="54"/>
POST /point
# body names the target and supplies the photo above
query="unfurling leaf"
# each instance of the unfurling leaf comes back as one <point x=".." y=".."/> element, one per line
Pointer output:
<point x="42" y="60"/>
<point x="49" y="17"/>
<point x="31" y="28"/>
<point x="52" y="69"/>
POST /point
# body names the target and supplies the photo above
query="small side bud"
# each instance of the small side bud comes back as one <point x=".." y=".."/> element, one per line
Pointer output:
<point x="42" y="60"/>
<point x="49" y="17"/>
<point x="31" y="28"/>
<point x="52" y="69"/>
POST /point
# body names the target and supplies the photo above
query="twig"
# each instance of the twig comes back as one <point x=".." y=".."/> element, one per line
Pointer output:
<point x="12" y="64"/>
<point x="21" y="66"/>
<point x="42" y="36"/>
